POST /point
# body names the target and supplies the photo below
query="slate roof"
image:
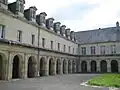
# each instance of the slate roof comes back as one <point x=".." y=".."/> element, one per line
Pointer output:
<point x="98" y="35"/>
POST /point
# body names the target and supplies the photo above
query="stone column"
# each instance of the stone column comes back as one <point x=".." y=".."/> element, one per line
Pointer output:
<point x="66" y="67"/>
<point x="108" y="65"/>
<point x="78" y="66"/>
<point x="10" y="66"/>
<point x="25" y="65"/>
<point x="4" y="69"/>
<point x="61" y="66"/>
<point x="98" y="65"/>
<point x="71" y="67"/>
<point x="74" y="66"/>
<point x="54" y="66"/>
<point x="88" y="66"/>
<point x="46" y="68"/>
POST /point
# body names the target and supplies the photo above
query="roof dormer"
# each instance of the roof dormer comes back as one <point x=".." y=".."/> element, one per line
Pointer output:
<point x="17" y="7"/>
<point x="57" y="27"/>
<point x="4" y="3"/>
<point x="49" y="23"/>
<point x="62" y="30"/>
<point x="40" y="19"/>
<point x="30" y="14"/>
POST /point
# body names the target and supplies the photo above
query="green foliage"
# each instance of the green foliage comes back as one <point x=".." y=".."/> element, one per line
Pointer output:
<point x="108" y="80"/>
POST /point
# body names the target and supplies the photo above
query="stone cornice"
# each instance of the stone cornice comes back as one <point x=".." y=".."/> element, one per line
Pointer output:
<point x="99" y="55"/>
<point x="7" y="12"/>
<point x="98" y="42"/>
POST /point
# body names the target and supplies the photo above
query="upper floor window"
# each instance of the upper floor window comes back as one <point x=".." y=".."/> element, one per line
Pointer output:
<point x="33" y="39"/>
<point x="69" y="49"/>
<point x="83" y="50"/>
<point x="92" y="50"/>
<point x="73" y="50"/>
<point x="113" y="49"/>
<point x="51" y="44"/>
<point x="43" y="42"/>
<point x="64" y="49"/>
<point x="58" y="46"/>
<point x="2" y="31"/>
<point x="19" y="36"/>
<point x="102" y="49"/>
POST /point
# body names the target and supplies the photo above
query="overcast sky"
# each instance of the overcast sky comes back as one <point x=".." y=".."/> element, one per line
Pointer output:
<point x="79" y="15"/>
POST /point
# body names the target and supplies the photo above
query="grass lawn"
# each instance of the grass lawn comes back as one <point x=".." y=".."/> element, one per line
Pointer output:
<point x="108" y="80"/>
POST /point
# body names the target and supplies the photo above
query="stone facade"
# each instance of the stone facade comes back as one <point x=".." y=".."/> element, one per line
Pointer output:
<point x="33" y="46"/>
<point x="23" y="53"/>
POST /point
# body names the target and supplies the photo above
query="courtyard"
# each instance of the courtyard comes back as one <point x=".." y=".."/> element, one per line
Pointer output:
<point x="60" y="82"/>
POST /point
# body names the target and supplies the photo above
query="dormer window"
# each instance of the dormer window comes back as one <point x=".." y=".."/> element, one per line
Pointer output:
<point x="20" y="6"/>
<point x="33" y="14"/>
<point x="30" y="14"/>
<point x="3" y="1"/>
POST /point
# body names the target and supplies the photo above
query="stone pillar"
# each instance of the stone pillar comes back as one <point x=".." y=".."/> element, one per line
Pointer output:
<point x="74" y="66"/>
<point x="4" y="69"/>
<point x="46" y="68"/>
<point x="54" y="66"/>
<point x="78" y="66"/>
<point x="88" y="66"/>
<point x="98" y="65"/>
<point x="71" y="67"/>
<point x="66" y="67"/>
<point x="61" y="66"/>
<point x="108" y="65"/>
<point x="10" y="66"/>
<point x="25" y="65"/>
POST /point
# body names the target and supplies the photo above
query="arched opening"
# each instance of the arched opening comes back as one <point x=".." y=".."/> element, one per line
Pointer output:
<point x="114" y="66"/>
<point x="51" y="67"/>
<point x="1" y="67"/>
<point x="93" y="66"/>
<point x="16" y="68"/>
<point x="31" y="67"/>
<point x="73" y="66"/>
<point x="103" y="66"/>
<point x="58" y="66"/>
<point x="42" y="66"/>
<point x="64" y="66"/>
<point x="69" y="66"/>
<point x="84" y="66"/>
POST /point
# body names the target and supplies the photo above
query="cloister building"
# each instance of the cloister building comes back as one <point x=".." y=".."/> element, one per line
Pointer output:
<point x="33" y="46"/>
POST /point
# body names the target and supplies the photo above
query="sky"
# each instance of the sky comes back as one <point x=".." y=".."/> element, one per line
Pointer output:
<point x="79" y="15"/>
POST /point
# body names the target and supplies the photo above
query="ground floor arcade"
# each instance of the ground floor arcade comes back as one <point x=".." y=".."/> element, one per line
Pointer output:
<point x="19" y="65"/>
<point x="102" y="66"/>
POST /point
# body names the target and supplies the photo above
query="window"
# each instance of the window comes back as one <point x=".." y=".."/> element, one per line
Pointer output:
<point x="58" y="46"/>
<point x="69" y="49"/>
<point x="83" y="50"/>
<point x="43" y="42"/>
<point x="2" y="31"/>
<point x="113" y="49"/>
<point x="102" y="49"/>
<point x="64" y="48"/>
<point x="51" y="44"/>
<point x="19" y="36"/>
<point x="33" y="39"/>
<point x="73" y="50"/>
<point x="20" y="7"/>
<point x="92" y="50"/>
<point x="3" y="1"/>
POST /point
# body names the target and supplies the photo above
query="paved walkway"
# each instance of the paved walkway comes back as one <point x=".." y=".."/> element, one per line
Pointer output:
<point x="64" y="82"/>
